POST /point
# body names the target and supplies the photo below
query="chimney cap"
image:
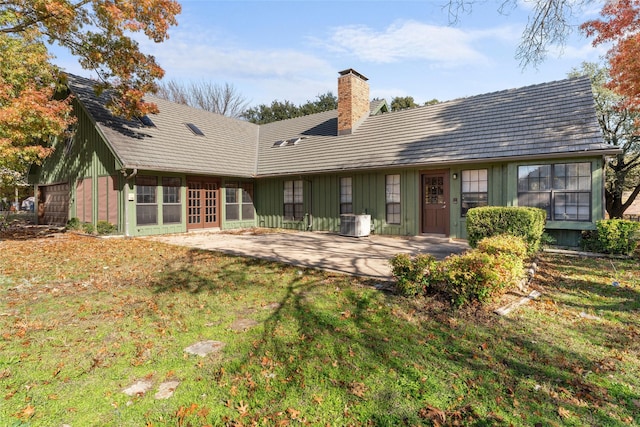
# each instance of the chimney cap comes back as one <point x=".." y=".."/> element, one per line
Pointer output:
<point x="352" y="71"/>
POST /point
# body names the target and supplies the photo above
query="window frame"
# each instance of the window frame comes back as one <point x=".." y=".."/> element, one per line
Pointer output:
<point x="346" y="195"/>
<point x="170" y="182"/>
<point x="546" y="189"/>
<point x="293" y="202"/>
<point x="146" y="200"/>
<point x="467" y="177"/>
<point x="393" y="199"/>
<point x="231" y="190"/>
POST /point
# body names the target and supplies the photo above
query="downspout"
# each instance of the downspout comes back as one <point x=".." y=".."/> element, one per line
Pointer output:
<point x="126" y="198"/>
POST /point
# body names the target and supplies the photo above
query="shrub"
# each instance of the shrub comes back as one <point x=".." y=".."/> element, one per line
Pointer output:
<point x="478" y="276"/>
<point x="504" y="244"/>
<point x="412" y="274"/>
<point x="524" y="222"/>
<point x="88" y="227"/>
<point x="73" y="224"/>
<point x="612" y="236"/>
<point x="105" y="227"/>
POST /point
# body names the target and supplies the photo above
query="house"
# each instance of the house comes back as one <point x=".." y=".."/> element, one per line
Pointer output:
<point x="415" y="171"/>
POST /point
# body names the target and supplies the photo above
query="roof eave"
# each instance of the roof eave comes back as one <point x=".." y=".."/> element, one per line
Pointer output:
<point x="439" y="163"/>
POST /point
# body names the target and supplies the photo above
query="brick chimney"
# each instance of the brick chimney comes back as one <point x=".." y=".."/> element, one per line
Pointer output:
<point x="353" y="101"/>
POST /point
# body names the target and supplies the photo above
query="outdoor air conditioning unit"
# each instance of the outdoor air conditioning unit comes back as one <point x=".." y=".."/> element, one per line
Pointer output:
<point x="355" y="225"/>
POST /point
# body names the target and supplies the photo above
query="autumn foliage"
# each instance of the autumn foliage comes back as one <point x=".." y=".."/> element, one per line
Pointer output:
<point x="99" y="33"/>
<point x="620" y="24"/>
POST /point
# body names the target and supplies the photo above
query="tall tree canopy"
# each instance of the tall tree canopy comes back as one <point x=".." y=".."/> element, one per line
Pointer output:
<point x="620" y="24"/>
<point x="286" y="110"/>
<point x="402" y="103"/>
<point x="221" y="99"/>
<point x="98" y="33"/>
<point x="619" y="128"/>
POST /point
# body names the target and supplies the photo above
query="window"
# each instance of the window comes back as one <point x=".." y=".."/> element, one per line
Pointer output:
<point x="293" y="200"/>
<point x="232" y="202"/>
<point x="195" y="129"/>
<point x="392" y="197"/>
<point x="248" y="211"/>
<point x="563" y="190"/>
<point x="171" y="206"/>
<point x="146" y="202"/>
<point x="474" y="190"/>
<point x="346" y="196"/>
<point x="239" y="201"/>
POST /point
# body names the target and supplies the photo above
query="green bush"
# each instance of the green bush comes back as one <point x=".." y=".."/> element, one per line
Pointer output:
<point x="412" y="274"/>
<point x="88" y="227"/>
<point x="504" y="244"/>
<point x="73" y="224"/>
<point x="105" y="227"/>
<point x="478" y="276"/>
<point x="612" y="236"/>
<point x="524" y="222"/>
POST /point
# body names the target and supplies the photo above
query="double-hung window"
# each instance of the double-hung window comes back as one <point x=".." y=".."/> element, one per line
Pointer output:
<point x="171" y="206"/>
<point x="474" y="190"/>
<point x="346" y="195"/>
<point x="146" y="200"/>
<point x="392" y="198"/>
<point x="293" y="200"/>
<point x="232" y="202"/>
<point x="561" y="189"/>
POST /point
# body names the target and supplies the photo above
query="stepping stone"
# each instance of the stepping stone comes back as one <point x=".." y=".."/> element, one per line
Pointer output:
<point x="166" y="389"/>
<point x="138" y="388"/>
<point x="243" y="324"/>
<point x="203" y="348"/>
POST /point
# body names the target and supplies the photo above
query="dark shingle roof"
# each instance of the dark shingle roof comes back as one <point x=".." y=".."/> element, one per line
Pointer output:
<point x="531" y="122"/>
<point x="550" y="119"/>
<point x="228" y="146"/>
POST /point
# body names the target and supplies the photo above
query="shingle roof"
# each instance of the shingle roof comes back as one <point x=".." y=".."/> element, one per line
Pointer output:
<point x="531" y="122"/>
<point x="549" y="119"/>
<point x="228" y="146"/>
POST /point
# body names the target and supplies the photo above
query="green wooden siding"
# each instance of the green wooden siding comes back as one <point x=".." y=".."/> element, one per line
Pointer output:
<point x="84" y="156"/>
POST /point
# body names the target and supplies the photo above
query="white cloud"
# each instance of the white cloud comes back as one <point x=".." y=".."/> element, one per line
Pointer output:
<point x="412" y="40"/>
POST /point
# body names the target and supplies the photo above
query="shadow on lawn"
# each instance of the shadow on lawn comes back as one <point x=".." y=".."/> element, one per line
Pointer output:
<point x="392" y="361"/>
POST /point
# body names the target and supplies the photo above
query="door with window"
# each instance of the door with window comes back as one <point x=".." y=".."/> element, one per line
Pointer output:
<point x="203" y="203"/>
<point x="435" y="202"/>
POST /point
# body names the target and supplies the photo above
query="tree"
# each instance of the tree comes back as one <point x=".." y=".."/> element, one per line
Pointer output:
<point x="287" y="110"/>
<point x="220" y="99"/>
<point x="550" y="22"/>
<point x="94" y="31"/>
<point x="402" y="103"/>
<point x="29" y="114"/>
<point x="620" y="25"/>
<point x="619" y="128"/>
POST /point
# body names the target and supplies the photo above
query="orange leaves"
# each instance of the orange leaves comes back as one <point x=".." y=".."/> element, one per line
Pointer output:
<point x="620" y="24"/>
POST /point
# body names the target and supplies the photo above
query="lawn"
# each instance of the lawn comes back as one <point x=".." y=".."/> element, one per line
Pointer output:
<point x="83" y="319"/>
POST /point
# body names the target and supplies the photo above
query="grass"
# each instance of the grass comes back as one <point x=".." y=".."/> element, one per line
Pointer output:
<point x="81" y="319"/>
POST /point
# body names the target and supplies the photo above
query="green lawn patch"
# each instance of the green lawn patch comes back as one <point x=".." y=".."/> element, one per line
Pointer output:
<point x="83" y="319"/>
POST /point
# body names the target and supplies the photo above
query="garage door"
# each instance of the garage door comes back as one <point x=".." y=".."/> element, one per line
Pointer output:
<point x="53" y="208"/>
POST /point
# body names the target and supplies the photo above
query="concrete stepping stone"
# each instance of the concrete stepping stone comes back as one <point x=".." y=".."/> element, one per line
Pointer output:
<point x="138" y="388"/>
<point x="243" y="324"/>
<point x="166" y="389"/>
<point x="203" y="348"/>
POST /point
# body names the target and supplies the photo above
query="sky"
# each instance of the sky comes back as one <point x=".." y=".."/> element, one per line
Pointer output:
<point x="293" y="50"/>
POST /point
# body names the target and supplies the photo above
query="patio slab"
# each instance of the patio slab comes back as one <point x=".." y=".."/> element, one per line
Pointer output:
<point x="360" y="256"/>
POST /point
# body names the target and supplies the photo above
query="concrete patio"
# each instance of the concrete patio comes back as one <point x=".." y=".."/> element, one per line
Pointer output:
<point x="363" y="256"/>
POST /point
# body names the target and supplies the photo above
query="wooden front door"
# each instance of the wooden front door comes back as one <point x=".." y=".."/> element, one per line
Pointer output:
<point x="203" y="200"/>
<point x="435" y="202"/>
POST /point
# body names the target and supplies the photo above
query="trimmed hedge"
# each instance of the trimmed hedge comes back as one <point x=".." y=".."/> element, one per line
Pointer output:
<point x="524" y="222"/>
<point x="612" y="236"/>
